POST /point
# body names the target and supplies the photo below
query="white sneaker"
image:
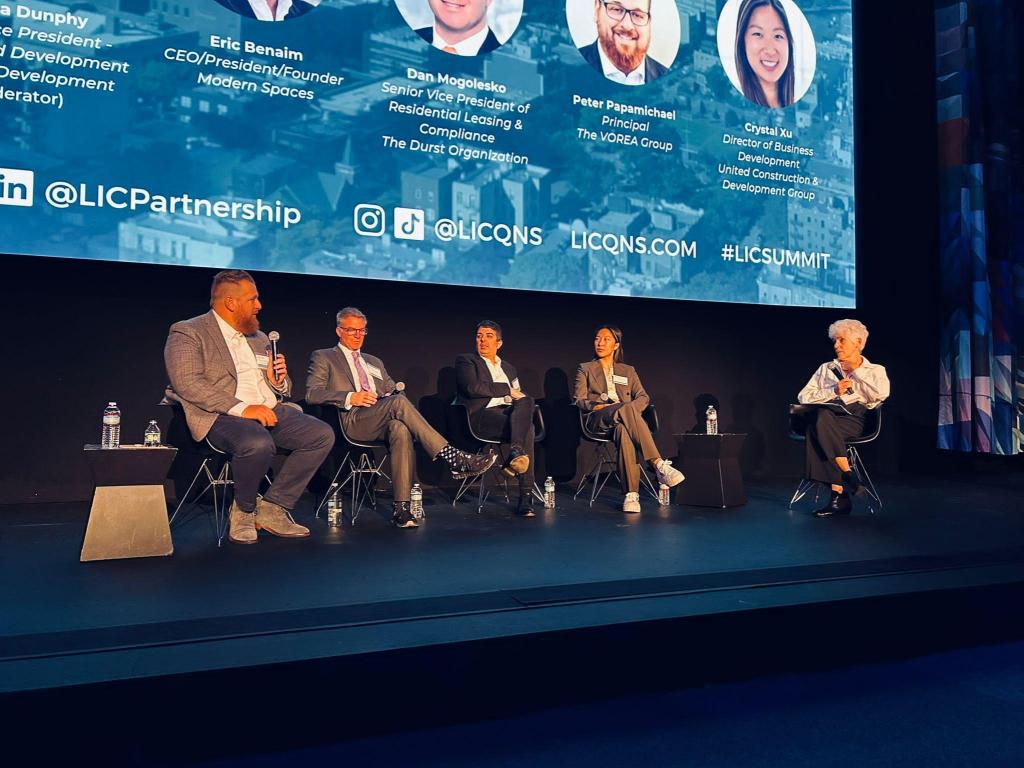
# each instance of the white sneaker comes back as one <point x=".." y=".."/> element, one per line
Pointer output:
<point x="668" y="475"/>
<point x="631" y="503"/>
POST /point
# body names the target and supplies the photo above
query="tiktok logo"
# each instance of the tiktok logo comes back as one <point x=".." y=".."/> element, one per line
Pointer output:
<point x="408" y="223"/>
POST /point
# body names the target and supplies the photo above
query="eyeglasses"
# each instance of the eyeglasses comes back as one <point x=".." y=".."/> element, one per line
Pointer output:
<point x="617" y="13"/>
<point x="353" y="331"/>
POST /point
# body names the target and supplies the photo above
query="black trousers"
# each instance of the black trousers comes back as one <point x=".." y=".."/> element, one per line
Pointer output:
<point x="827" y="432"/>
<point x="511" y="424"/>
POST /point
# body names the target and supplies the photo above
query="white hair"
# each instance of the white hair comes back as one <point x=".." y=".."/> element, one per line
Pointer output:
<point x="349" y="312"/>
<point x="853" y="329"/>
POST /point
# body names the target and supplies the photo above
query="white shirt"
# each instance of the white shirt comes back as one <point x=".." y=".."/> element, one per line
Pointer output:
<point x="468" y="47"/>
<point x="609" y="380"/>
<point x="253" y="387"/>
<point x="498" y="376"/>
<point x="616" y="75"/>
<point x="870" y="385"/>
<point x="262" y="9"/>
<point x="355" y="374"/>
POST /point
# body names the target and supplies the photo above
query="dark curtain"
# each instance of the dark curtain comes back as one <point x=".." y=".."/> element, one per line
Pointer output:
<point x="980" y="103"/>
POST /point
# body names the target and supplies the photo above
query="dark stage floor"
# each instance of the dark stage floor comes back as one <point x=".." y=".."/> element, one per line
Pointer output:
<point x="464" y="576"/>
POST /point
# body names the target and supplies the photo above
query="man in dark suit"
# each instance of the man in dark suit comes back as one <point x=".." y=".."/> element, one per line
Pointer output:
<point x="460" y="27"/>
<point x="270" y="10"/>
<point x="222" y="373"/>
<point x="489" y="388"/>
<point x="359" y="385"/>
<point x="623" y="38"/>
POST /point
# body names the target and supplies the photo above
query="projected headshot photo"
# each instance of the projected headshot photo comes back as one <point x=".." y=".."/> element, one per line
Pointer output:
<point x="767" y="49"/>
<point x="270" y="10"/>
<point x="463" y="27"/>
<point x="630" y="42"/>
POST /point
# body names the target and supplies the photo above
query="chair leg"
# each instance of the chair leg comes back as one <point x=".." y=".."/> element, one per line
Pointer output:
<point x="184" y="496"/>
<point x="858" y="466"/>
<point x="801" y="490"/>
<point x="333" y="486"/>
<point x="646" y="482"/>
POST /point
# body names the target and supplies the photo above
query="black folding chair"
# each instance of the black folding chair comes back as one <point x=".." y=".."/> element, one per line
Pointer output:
<point x="605" y="464"/>
<point x="485" y="445"/>
<point x="872" y="428"/>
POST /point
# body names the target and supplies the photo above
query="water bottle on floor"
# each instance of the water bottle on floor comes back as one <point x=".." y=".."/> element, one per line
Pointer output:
<point x="664" y="499"/>
<point x="111" y="427"/>
<point x="151" y="439"/>
<point x="334" y="510"/>
<point x="712" y="420"/>
<point x="549" y="493"/>
<point x="416" y="502"/>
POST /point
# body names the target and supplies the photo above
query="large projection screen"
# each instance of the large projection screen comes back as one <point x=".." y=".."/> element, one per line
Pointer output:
<point x="688" y="149"/>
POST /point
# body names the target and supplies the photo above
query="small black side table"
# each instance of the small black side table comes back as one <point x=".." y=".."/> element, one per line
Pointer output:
<point x="712" y="468"/>
<point x="129" y="512"/>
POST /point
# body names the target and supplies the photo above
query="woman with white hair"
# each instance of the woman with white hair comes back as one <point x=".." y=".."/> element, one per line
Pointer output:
<point x="846" y="389"/>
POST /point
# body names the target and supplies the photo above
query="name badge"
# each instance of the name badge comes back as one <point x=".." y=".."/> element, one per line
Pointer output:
<point x="262" y="361"/>
<point x="515" y="383"/>
<point x="620" y="380"/>
<point x="374" y="371"/>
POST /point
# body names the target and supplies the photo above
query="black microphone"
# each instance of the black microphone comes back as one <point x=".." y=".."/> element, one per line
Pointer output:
<point x="399" y="389"/>
<point x="837" y="372"/>
<point x="274" y="337"/>
<point x="603" y="399"/>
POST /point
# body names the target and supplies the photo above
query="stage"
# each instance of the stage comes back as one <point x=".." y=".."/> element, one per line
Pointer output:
<point x="466" y="577"/>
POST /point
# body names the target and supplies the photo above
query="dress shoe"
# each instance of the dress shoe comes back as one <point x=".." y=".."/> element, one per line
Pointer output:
<point x="525" y="506"/>
<point x="465" y="465"/>
<point x="838" y="504"/>
<point x="852" y="483"/>
<point x="273" y="518"/>
<point x="403" y="517"/>
<point x="517" y="463"/>
<point x="242" y="528"/>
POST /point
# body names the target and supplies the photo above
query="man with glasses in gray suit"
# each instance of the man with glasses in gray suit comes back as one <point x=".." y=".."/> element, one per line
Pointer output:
<point x="232" y="390"/>
<point x="359" y="385"/>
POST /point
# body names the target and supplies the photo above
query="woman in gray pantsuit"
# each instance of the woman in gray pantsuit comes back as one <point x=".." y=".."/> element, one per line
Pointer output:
<point x="609" y="392"/>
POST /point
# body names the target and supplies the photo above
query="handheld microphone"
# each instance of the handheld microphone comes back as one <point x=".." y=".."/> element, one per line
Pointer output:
<point x="399" y="388"/>
<point x="603" y="399"/>
<point x="274" y="337"/>
<point x="837" y="371"/>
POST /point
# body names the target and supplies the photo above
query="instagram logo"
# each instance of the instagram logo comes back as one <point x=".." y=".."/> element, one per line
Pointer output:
<point x="369" y="220"/>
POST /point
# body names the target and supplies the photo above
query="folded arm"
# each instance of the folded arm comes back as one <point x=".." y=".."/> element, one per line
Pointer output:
<point x="472" y="386"/>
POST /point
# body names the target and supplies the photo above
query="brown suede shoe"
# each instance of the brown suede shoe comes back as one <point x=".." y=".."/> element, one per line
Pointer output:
<point x="242" y="526"/>
<point x="275" y="519"/>
<point x="518" y="462"/>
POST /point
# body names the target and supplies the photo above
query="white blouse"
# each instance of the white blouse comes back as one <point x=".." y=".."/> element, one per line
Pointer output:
<point x="870" y="385"/>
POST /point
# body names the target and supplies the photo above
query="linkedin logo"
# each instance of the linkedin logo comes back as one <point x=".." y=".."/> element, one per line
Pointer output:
<point x="16" y="187"/>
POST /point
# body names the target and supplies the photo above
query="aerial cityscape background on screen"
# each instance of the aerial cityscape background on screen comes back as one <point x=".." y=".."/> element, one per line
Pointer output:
<point x="342" y="142"/>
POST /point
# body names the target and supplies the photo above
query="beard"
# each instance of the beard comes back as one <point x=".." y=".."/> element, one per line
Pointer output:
<point x="624" y="60"/>
<point x="249" y="325"/>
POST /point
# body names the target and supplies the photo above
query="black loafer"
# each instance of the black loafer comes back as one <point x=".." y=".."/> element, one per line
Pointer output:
<point x="838" y="504"/>
<point x="525" y="507"/>
<point x="403" y="517"/>
<point x="852" y="483"/>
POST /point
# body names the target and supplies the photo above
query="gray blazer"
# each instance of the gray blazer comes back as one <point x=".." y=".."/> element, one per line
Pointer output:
<point x="202" y="373"/>
<point x="590" y="383"/>
<point x="329" y="379"/>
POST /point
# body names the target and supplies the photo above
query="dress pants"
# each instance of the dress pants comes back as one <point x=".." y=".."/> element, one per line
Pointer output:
<point x="511" y="424"/>
<point x="827" y="432"/>
<point x="395" y="420"/>
<point x="630" y="432"/>
<point x="252" y="447"/>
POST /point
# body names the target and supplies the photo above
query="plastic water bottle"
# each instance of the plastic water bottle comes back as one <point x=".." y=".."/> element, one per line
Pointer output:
<point x="664" y="498"/>
<point x="712" y="420"/>
<point x="334" y="510"/>
<point x="111" y="427"/>
<point x="549" y="493"/>
<point x="416" y="502"/>
<point x="151" y="438"/>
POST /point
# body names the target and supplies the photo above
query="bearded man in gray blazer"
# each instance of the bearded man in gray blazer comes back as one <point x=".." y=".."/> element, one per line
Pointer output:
<point x="370" y="409"/>
<point x="232" y="389"/>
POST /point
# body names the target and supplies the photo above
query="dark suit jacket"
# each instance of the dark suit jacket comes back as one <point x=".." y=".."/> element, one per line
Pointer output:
<point x="242" y="8"/>
<point x="202" y="374"/>
<point x="652" y="69"/>
<point x="329" y="379"/>
<point x="474" y="384"/>
<point x="490" y="42"/>
<point x="590" y="383"/>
